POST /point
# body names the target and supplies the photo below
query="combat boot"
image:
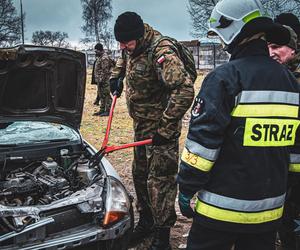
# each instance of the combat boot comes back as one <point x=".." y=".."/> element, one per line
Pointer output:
<point x="143" y="229"/>
<point x="105" y="113"/>
<point x="99" y="113"/>
<point x="161" y="240"/>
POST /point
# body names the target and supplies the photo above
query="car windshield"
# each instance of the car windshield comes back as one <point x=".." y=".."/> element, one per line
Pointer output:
<point x="28" y="132"/>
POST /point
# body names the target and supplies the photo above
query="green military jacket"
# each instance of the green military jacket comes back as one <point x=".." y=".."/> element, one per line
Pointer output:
<point x="294" y="66"/>
<point x="158" y="88"/>
<point x="102" y="69"/>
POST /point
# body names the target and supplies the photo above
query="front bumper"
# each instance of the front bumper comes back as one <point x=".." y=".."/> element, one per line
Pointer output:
<point x="74" y="237"/>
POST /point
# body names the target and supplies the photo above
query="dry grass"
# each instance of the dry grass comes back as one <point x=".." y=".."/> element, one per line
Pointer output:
<point x="93" y="130"/>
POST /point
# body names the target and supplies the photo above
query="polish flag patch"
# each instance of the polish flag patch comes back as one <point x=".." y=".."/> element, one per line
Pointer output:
<point x="161" y="59"/>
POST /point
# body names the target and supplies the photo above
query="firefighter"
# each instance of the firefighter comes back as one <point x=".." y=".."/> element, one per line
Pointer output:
<point x="236" y="155"/>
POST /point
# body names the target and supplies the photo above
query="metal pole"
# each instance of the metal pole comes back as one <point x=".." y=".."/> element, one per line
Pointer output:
<point x="22" y="21"/>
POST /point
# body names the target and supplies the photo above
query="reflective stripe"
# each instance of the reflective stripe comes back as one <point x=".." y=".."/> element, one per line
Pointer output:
<point x="265" y="110"/>
<point x="238" y="217"/>
<point x="294" y="158"/>
<point x="295" y="168"/>
<point x="198" y="149"/>
<point x="196" y="161"/>
<point x="241" y="205"/>
<point x="294" y="165"/>
<point x="264" y="96"/>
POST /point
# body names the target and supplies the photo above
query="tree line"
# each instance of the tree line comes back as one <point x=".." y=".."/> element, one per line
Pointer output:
<point x="97" y="13"/>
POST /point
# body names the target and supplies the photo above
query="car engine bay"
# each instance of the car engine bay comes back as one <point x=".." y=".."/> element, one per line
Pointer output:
<point x="44" y="184"/>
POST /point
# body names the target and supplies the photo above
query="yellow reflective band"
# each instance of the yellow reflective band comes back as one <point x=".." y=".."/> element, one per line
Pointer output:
<point x="262" y="110"/>
<point x="295" y="167"/>
<point x="238" y="217"/>
<point x="251" y="16"/>
<point x="270" y="132"/>
<point x="196" y="161"/>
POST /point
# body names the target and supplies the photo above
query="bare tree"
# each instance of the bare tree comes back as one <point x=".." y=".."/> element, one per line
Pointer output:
<point x="96" y="14"/>
<point x="50" y="38"/>
<point x="200" y="11"/>
<point x="108" y="39"/>
<point x="10" y="24"/>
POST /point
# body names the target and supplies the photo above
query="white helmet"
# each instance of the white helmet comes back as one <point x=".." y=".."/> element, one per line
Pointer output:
<point x="229" y="17"/>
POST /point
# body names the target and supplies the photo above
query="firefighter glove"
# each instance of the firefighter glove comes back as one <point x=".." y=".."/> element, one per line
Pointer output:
<point x="159" y="140"/>
<point x="184" y="205"/>
<point x="116" y="86"/>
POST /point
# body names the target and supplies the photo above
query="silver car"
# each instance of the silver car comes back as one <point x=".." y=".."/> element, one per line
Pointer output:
<point x="55" y="191"/>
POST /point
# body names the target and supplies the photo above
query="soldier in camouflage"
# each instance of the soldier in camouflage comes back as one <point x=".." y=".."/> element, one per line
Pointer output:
<point x="101" y="74"/>
<point x="292" y="21"/>
<point x="290" y="56"/>
<point x="159" y="91"/>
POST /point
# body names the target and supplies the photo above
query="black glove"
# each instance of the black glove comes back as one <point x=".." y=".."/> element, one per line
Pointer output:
<point x="116" y="86"/>
<point x="184" y="205"/>
<point x="159" y="140"/>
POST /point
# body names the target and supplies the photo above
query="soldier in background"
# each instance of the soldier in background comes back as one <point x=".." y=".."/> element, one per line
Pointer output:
<point x="284" y="54"/>
<point x="292" y="21"/>
<point x="290" y="56"/>
<point x="101" y="74"/>
<point x="159" y="90"/>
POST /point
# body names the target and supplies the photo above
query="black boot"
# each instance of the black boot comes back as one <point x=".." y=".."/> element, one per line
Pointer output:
<point x="143" y="229"/>
<point x="161" y="240"/>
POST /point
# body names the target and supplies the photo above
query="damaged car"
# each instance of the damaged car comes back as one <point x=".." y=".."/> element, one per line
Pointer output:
<point x="56" y="191"/>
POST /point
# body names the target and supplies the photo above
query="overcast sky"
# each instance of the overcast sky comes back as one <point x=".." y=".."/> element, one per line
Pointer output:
<point x="170" y="17"/>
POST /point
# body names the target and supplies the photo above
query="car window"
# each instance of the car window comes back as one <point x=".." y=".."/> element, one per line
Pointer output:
<point x="27" y="132"/>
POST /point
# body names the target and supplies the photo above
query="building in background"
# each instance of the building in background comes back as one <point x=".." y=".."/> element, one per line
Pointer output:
<point x="207" y="56"/>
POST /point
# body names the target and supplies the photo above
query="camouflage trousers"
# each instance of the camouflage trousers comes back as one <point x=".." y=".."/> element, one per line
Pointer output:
<point x="104" y="96"/>
<point x="154" y="171"/>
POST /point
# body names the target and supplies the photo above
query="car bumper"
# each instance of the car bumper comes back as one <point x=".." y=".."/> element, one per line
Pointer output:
<point x="74" y="237"/>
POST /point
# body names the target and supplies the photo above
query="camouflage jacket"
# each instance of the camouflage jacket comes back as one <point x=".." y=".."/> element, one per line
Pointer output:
<point x="102" y="69"/>
<point x="158" y="87"/>
<point x="294" y="66"/>
<point x="9" y="54"/>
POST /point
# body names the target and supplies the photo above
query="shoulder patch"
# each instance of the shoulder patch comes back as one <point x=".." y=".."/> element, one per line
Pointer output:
<point x="198" y="106"/>
<point x="161" y="59"/>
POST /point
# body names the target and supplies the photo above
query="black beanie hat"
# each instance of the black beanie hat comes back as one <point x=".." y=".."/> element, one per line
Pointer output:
<point x="129" y="26"/>
<point x="99" y="46"/>
<point x="289" y="19"/>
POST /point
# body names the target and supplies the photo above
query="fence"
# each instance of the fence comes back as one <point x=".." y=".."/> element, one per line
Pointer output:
<point x="207" y="56"/>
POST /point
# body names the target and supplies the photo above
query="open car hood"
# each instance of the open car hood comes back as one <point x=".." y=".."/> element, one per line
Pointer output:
<point x="42" y="83"/>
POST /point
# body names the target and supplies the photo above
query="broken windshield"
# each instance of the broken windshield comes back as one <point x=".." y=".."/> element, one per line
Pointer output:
<point x="28" y="132"/>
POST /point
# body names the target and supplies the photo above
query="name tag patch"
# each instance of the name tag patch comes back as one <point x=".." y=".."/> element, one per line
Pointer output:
<point x="270" y="132"/>
<point x="140" y="68"/>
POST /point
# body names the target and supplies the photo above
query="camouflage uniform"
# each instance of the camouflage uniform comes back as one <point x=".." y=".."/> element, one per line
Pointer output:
<point x="102" y="74"/>
<point x="158" y="92"/>
<point x="292" y="204"/>
<point x="294" y="65"/>
<point x="9" y="54"/>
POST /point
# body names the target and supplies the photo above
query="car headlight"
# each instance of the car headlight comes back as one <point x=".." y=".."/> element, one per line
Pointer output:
<point x="117" y="202"/>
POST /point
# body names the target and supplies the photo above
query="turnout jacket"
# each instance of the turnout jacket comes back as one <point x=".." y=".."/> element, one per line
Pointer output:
<point x="236" y="153"/>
